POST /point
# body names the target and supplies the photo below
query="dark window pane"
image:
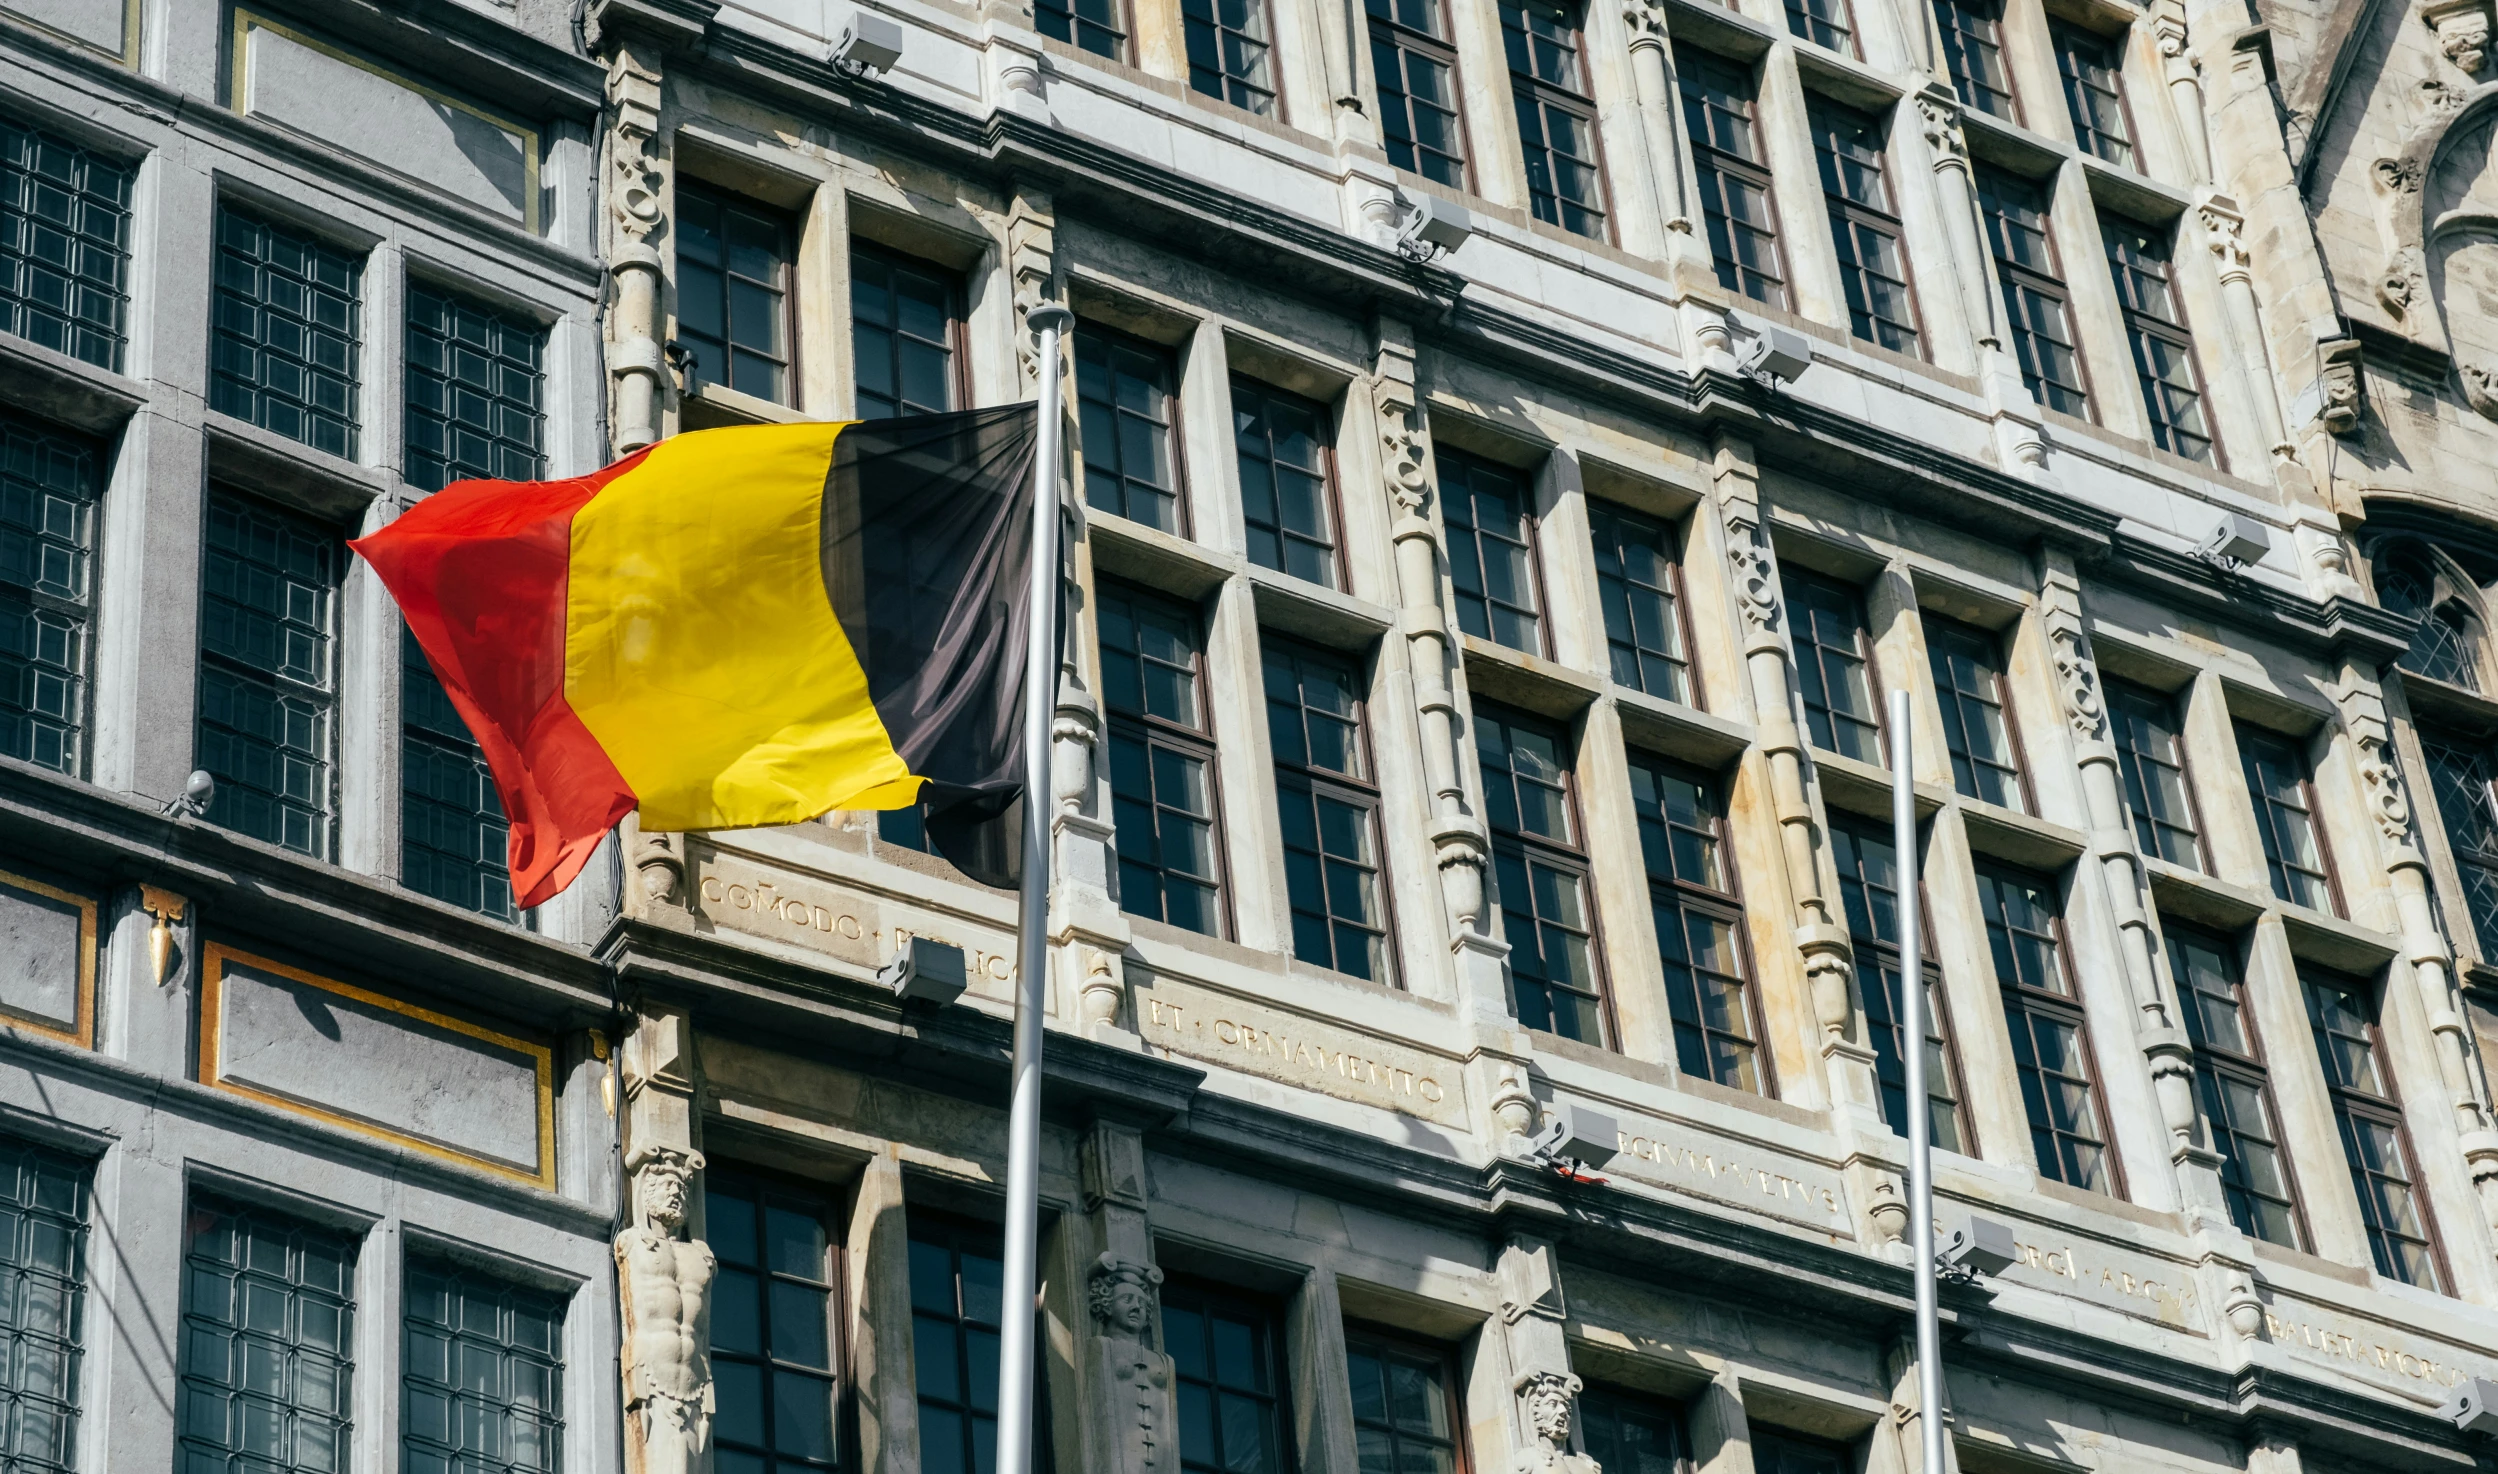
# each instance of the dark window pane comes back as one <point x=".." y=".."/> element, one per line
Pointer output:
<point x="2445" y="645"/>
<point x="1229" y="57"/>
<point x="1864" y="223"/>
<point x="2050" y="1039"/>
<point x="288" y="333"/>
<point x="2155" y="324"/>
<point x="1091" y="24"/>
<point x="1556" y="116"/>
<point x="49" y="484"/>
<point x="2092" y="67"/>
<point x="1161" y="760"/>
<point x="455" y="840"/>
<point x="2277" y="782"/>
<point x="957" y="1270"/>
<point x="2342" y="1012"/>
<point x="734" y="264"/>
<point x="1126" y="415"/>
<point x="1732" y="175"/>
<point x="1869" y="879"/>
<point x="1540" y="873"/>
<point x="1639" y="583"/>
<point x="2037" y="318"/>
<point x="1488" y="511"/>
<point x="268" y="1343"/>
<point x="2233" y="1086"/>
<point x="43" y="1203"/>
<point x="267" y="688"/>
<point x="904" y="317"/>
<point x="1832" y="648"/>
<point x="1972" y="38"/>
<point x="773" y="1344"/>
<point x="482" y="1379"/>
<point x="64" y="245"/>
<point x="476" y="383"/>
<point x="1228" y="1351"/>
<point x="1968" y="684"/>
<point x="1404" y="1414"/>
<point x="1333" y="878"/>
<point x="1285" y="445"/>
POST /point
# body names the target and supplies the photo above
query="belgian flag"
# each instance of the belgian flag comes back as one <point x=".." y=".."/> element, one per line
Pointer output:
<point x="740" y="627"/>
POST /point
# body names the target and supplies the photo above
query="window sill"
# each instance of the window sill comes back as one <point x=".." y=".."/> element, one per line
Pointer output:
<point x="1528" y="682"/>
<point x="1156" y="559"/>
<point x="1862" y="789"/>
<point x="249" y="459"/>
<point x="51" y="385"/>
<point x="2329" y="941"/>
<point x="2191" y="895"/>
<point x="1683" y="732"/>
<point x="1313" y="612"/>
<point x="2001" y="834"/>
<point x="712" y="407"/>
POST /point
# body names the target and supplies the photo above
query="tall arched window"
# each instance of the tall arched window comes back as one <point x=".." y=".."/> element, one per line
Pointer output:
<point x="2446" y="647"/>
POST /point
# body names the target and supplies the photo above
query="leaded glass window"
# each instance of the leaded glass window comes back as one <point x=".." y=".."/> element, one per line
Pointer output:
<point x="1639" y="580"/>
<point x="268" y="1343"/>
<point x="290" y="331"/>
<point x="774" y="1331"/>
<point x="64" y="245"/>
<point x="49" y="482"/>
<point x="268" y="690"/>
<point x="2445" y="645"/>
<point x="43" y="1303"/>
<point x="2460" y="777"/>
<point x="482" y="1386"/>
<point x="455" y="839"/>
<point x="476" y="392"/>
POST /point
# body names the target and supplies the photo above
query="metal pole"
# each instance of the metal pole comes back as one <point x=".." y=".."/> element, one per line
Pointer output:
<point x="1023" y="1119"/>
<point x="1912" y="1016"/>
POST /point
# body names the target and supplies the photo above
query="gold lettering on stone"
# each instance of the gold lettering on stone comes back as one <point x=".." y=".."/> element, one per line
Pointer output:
<point x="1735" y="1174"/>
<point x="1297" y="1051"/>
<point x="2388" y="1361"/>
<point x="2165" y="1298"/>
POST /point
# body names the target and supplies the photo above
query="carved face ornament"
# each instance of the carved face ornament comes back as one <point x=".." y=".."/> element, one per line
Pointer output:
<point x="663" y="1195"/>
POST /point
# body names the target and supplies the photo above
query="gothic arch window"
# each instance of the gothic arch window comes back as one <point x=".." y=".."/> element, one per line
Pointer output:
<point x="2415" y="581"/>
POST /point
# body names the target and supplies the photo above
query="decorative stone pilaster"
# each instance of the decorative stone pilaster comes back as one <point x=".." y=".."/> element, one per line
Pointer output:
<point x="1645" y="20"/>
<point x="1938" y="117"/>
<point x="2121" y="881"/>
<point x="2224" y="234"/>
<point x="1820" y="938"/>
<point x="663" y="1276"/>
<point x="2424" y="944"/>
<point x="2462" y="28"/>
<point x="1532" y="1319"/>
<point x="1907" y="1420"/>
<point x="1032" y="255"/>
<point x="636" y="195"/>
<point x="2185" y="86"/>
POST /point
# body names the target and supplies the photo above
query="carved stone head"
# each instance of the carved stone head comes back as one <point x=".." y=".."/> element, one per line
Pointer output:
<point x="1548" y="1397"/>
<point x="1123" y="1296"/>
<point x="662" y="1176"/>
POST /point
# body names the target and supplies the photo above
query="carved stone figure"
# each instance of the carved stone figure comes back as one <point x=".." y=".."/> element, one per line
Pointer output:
<point x="2343" y="391"/>
<point x="664" y="1281"/>
<point x="1132" y="1374"/>
<point x="2462" y="28"/>
<point x="1546" y="1397"/>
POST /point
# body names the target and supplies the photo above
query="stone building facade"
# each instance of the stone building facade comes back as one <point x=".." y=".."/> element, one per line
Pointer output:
<point x="1473" y="719"/>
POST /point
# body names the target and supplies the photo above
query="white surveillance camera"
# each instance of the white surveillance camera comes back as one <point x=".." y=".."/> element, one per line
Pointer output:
<point x="1980" y="1246"/>
<point x="868" y="46"/>
<point x="2474" y="1407"/>
<point x="1775" y="354"/>
<point x="1433" y="229"/>
<point x="2233" y="542"/>
<point x="926" y="971"/>
<point x="199" y="795"/>
<point x="1576" y="1134"/>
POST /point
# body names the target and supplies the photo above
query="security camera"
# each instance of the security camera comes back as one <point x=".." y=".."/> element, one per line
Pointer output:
<point x="926" y="971"/>
<point x="1433" y="229"/>
<point x="1576" y="1137"/>
<point x="2233" y="542"/>
<point x="2474" y="1407"/>
<point x="1979" y="1247"/>
<point x="1775" y="355"/>
<point x="868" y="46"/>
<point x="199" y="792"/>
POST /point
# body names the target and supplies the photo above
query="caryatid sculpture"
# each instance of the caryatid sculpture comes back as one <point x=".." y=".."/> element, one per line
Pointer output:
<point x="665" y="1284"/>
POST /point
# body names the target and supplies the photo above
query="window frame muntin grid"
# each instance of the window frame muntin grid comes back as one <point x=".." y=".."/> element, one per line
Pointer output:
<point x="1724" y="903"/>
<point x="2051" y="286"/>
<point x="958" y="368"/>
<point x="72" y="1344"/>
<point x="1709" y="160"/>
<point x="2060" y="32"/>
<point x="413" y="665"/>
<point x="958" y="1235"/>
<point x="1886" y="957"/>
<point x="1393" y="34"/>
<point x="2390" y="558"/>
<point x="1123" y="39"/>
<point x="332" y="696"/>
<point x="2384" y="1110"/>
<point x="505" y="319"/>
<point x="2252" y="1068"/>
<point x="1198" y="743"/>
<point x="810" y="1198"/>
<point x="1529" y="87"/>
<point x="1570" y="858"/>
<point x="1999" y="670"/>
<point x="2141" y="323"/>
<point x="358" y="341"/>
<point x="1846" y="211"/>
<point x="1241" y="1304"/>
<point x="88" y="157"/>
<point x="1332" y="487"/>
<point x="786" y="230"/>
<point x="1115" y="341"/>
<point x="2115" y="690"/>
<point x="1601" y="512"/>
<point x="1853" y="31"/>
<point x="1852" y="597"/>
<point x="1355" y="790"/>
<point x="1993" y="36"/>
<point x="423" y="1260"/>
<point x="198" y="1197"/>
<point x="1531" y="524"/>
<point x="2468" y="860"/>
<point x="1384" y="1343"/>
<point x="1273" y="90"/>
<point x="2021" y="998"/>
<point x="83" y="610"/>
<point x="2263" y="805"/>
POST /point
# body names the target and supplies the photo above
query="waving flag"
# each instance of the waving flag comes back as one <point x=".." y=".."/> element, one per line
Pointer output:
<point x="739" y="627"/>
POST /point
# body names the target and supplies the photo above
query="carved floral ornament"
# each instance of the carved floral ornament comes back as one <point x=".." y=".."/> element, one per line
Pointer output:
<point x="1938" y="113"/>
<point x="2077" y="680"/>
<point x="1646" y="21"/>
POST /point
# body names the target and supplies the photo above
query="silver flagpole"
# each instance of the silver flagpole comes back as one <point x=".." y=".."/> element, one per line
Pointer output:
<point x="1912" y="1015"/>
<point x="1023" y="1119"/>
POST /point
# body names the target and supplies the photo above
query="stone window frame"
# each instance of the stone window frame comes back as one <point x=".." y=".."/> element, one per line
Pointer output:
<point x="2128" y="268"/>
<point x="1966" y="28"/>
<point x="1795" y="579"/>
<point x="1613" y="585"/>
<point x="1574" y="98"/>
<point x="1356" y="790"/>
<point x="958" y="370"/>
<point x="2265" y="807"/>
<point x="1867" y="942"/>
<point x="1082" y="29"/>
<point x="1529" y="543"/>
<point x="1852" y="218"/>
<point x="1392" y="36"/>
<point x="1264" y="1314"/>
<point x="1090" y="337"/>
<point x="62" y="597"/>
<point x="2384" y="1107"/>
<point x="1565" y="856"/>
<point x="2032" y="289"/>
<point x="1440" y="1358"/>
<point x="1942" y="631"/>
<point x="2057" y="1001"/>
<point x="784" y="229"/>
<point x="1190" y="742"/>
<point x="1713" y="164"/>
<point x="323" y="695"/>
<point x="2068" y="40"/>
<point x="2249" y="1067"/>
<point x="1721" y="901"/>
<point x="1200" y="17"/>
<point x="809" y="1200"/>
<point x="1331" y="495"/>
<point x="2117" y="692"/>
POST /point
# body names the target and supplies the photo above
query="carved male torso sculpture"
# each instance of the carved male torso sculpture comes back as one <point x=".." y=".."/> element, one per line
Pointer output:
<point x="667" y="1332"/>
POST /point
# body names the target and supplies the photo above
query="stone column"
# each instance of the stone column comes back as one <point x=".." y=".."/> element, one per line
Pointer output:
<point x="2424" y="944"/>
<point x="1532" y="1318"/>
<point x="1752" y="574"/>
<point x="2224" y="232"/>
<point x="878" y="1250"/>
<point x="2271" y="1452"/>
<point x="637" y="191"/>
<point x="2020" y="436"/>
<point x="663" y="1272"/>
<point x="2185" y="86"/>
<point x="1721" y="1434"/>
<point x="1656" y="108"/>
<point x="1125" y="1372"/>
<point x="1906" y="1425"/>
<point x="2120" y="879"/>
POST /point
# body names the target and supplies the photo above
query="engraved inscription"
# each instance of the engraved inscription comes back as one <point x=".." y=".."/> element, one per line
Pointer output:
<point x="1742" y="1175"/>
<point x="1298" y="1051"/>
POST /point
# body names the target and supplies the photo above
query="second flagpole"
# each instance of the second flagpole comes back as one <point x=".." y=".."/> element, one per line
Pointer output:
<point x="1912" y="1017"/>
<point x="1017" y="1342"/>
